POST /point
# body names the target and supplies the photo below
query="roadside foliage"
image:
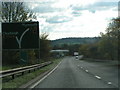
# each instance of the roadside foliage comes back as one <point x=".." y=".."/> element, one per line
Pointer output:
<point x="19" y="12"/>
<point x="107" y="48"/>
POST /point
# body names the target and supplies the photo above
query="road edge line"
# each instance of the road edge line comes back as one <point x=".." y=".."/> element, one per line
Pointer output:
<point x="45" y="76"/>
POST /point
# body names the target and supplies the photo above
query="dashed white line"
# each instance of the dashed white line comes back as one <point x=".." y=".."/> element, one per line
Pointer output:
<point x="45" y="76"/>
<point x="110" y="83"/>
<point x="86" y="70"/>
<point x="98" y="77"/>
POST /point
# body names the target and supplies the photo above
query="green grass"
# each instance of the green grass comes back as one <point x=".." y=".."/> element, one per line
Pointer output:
<point x="17" y="82"/>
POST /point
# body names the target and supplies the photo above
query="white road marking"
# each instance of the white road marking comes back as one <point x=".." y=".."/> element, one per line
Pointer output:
<point x="86" y="70"/>
<point x="45" y="76"/>
<point x="98" y="77"/>
<point x="78" y="65"/>
<point x="109" y="82"/>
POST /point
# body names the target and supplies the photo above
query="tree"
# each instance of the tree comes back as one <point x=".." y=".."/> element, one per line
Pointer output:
<point x="88" y="50"/>
<point x="108" y="45"/>
<point x="44" y="46"/>
<point x="114" y="28"/>
<point x="16" y="12"/>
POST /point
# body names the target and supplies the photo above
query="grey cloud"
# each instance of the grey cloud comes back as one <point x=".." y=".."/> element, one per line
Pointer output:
<point x="98" y="6"/>
<point x="107" y="4"/>
<point x="47" y="28"/>
<point x="76" y="13"/>
<point x="58" y="19"/>
<point x="46" y="7"/>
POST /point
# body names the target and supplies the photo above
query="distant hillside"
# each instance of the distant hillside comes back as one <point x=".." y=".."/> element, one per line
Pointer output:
<point x="85" y="40"/>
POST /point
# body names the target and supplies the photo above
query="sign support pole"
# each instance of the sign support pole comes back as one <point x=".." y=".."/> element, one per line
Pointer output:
<point x="19" y="43"/>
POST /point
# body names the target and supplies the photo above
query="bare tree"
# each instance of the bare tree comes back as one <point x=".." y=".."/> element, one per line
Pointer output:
<point x="16" y="12"/>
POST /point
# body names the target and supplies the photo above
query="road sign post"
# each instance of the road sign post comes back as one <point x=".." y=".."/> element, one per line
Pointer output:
<point x="23" y="57"/>
<point x="20" y="36"/>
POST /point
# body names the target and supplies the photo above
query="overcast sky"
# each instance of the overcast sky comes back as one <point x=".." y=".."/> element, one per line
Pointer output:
<point x="74" y="18"/>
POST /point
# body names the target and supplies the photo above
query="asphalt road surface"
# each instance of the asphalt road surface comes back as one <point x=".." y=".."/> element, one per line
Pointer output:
<point x="72" y="73"/>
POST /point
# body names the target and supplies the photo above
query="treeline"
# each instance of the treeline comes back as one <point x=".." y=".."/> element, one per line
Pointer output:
<point x="75" y="40"/>
<point x="71" y="47"/>
<point x="106" y="48"/>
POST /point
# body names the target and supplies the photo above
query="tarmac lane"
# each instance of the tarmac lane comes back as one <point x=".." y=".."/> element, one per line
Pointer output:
<point x="69" y="74"/>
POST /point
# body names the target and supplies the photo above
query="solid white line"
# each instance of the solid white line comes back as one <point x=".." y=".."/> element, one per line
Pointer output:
<point x="78" y="65"/>
<point x="98" y="77"/>
<point x="45" y="76"/>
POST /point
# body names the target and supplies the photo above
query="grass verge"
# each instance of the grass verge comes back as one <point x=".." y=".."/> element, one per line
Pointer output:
<point x="17" y="82"/>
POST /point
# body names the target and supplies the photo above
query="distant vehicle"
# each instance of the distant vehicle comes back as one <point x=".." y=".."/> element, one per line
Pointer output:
<point x="77" y="57"/>
<point x="76" y="53"/>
